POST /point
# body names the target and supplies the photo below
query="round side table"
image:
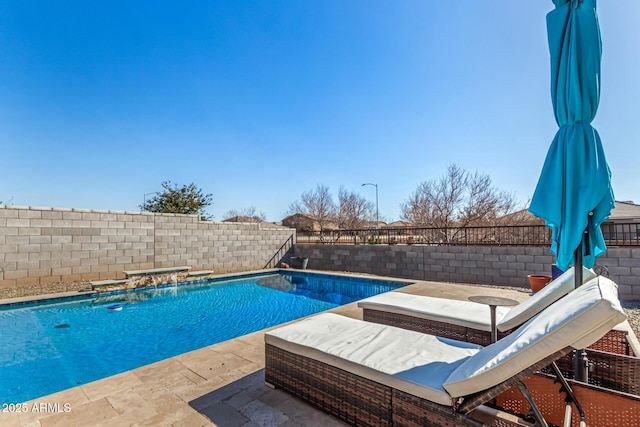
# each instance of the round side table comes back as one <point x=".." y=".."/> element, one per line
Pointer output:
<point x="493" y="302"/>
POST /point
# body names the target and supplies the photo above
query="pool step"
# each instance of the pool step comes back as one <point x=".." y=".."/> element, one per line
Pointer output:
<point x="156" y="271"/>
<point x="200" y="273"/>
<point x="150" y="277"/>
<point x="104" y="285"/>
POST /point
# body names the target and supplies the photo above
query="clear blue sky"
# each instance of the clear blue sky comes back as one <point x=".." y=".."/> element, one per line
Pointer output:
<point x="258" y="101"/>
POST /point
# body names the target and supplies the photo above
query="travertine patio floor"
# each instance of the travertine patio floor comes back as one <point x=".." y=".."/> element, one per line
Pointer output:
<point x="220" y="385"/>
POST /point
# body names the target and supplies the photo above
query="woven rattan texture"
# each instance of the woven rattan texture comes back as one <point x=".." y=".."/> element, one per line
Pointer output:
<point x="362" y="402"/>
<point x="614" y="342"/>
<point x="411" y="411"/>
<point x="353" y="399"/>
<point x="603" y="407"/>
<point x="432" y="327"/>
<point x="608" y="370"/>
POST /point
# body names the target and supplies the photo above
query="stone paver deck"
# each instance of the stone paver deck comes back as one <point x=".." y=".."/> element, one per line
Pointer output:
<point x="220" y="385"/>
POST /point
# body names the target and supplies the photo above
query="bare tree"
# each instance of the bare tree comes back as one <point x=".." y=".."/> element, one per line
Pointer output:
<point x="319" y="205"/>
<point x="485" y="204"/>
<point x="457" y="199"/>
<point x="246" y="214"/>
<point x="518" y="214"/>
<point x="437" y="203"/>
<point x="353" y="210"/>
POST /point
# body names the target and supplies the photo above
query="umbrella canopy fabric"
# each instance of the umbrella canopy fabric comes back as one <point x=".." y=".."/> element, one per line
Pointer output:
<point x="574" y="191"/>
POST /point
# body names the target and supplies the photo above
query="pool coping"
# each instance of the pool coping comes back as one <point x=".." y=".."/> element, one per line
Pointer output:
<point x="25" y="301"/>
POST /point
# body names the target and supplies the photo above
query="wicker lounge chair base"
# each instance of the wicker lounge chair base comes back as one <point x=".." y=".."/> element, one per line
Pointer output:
<point x="431" y="327"/>
<point x="360" y="401"/>
<point x="351" y="398"/>
<point x="357" y="400"/>
<point x="409" y="410"/>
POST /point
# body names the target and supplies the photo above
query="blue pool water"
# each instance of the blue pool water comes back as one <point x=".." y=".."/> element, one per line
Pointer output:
<point x="48" y="347"/>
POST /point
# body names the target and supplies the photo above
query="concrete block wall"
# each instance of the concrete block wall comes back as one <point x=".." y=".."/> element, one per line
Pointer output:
<point x="508" y="266"/>
<point x="40" y="245"/>
<point x="623" y="265"/>
<point x="221" y="246"/>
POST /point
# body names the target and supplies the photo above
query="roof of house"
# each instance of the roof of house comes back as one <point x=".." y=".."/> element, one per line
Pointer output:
<point x="396" y="224"/>
<point x="306" y="219"/>
<point x="373" y="224"/>
<point x="251" y="220"/>
<point x="622" y="211"/>
<point x="242" y="218"/>
<point x="625" y="211"/>
<point x="299" y="216"/>
<point x="521" y="217"/>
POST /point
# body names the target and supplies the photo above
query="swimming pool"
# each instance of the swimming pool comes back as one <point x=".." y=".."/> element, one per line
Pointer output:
<point x="51" y="346"/>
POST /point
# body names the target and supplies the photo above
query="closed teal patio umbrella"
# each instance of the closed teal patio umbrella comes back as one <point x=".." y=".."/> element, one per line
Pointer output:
<point x="574" y="194"/>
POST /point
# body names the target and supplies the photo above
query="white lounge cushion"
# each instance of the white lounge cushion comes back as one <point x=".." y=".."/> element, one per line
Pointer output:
<point x="410" y="361"/>
<point x="542" y="299"/>
<point x="470" y="314"/>
<point x="461" y="313"/>
<point x="577" y="320"/>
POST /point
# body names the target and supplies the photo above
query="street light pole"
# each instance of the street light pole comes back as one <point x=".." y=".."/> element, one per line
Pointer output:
<point x="377" y="220"/>
<point x="144" y="198"/>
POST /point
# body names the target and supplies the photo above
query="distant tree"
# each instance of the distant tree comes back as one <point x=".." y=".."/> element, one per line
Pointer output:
<point x="248" y="213"/>
<point x="353" y="210"/>
<point x="457" y="199"/>
<point x="318" y="204"/>
<point x="186" y="199"/>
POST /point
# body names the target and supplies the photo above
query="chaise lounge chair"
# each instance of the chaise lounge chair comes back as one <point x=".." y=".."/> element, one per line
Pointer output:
<point x="372" y="374"/>
<point x="462" y="320"/>
<point x="611" y="357"/>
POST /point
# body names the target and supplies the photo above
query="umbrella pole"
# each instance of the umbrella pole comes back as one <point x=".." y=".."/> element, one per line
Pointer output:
<point x="577" y="277"/>
<point x="580" y="358"/>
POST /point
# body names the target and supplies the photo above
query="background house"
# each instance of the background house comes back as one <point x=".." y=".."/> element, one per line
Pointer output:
<point x="624" y="223"/>
<point x="306" y="223"/>
<point x="622" y="226"/>
<point x="250" y="219"/>
<point x="623" y="212"/>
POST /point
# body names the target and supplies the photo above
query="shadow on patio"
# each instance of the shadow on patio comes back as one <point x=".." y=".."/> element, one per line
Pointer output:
<point x="249" y="402"/>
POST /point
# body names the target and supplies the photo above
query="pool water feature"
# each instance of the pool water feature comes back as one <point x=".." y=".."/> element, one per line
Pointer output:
<point x="52" y="346"/>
